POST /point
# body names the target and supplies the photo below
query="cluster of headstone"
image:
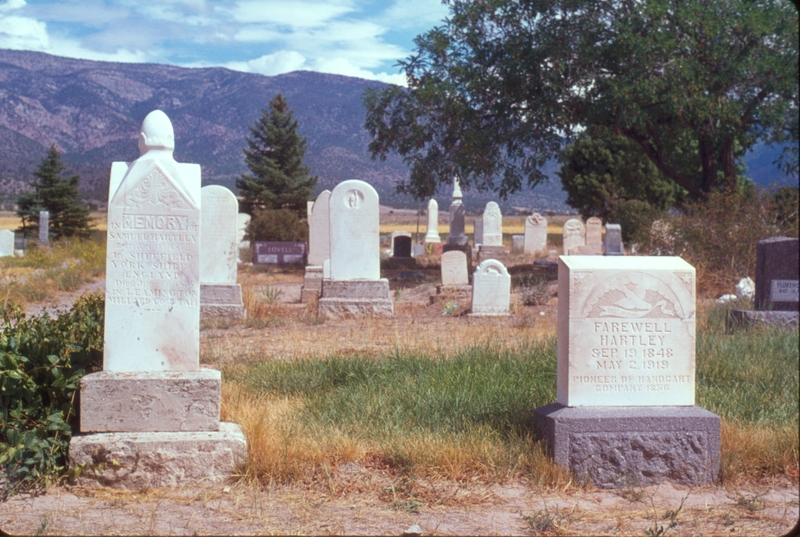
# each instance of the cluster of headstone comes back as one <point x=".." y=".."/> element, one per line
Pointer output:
<point x="625" y="407"/>
<point x="588" y="240"/>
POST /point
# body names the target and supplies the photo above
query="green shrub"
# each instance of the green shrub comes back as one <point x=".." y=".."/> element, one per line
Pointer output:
<point x="635" y="217"/>
<point x="277" y="225"/>
<point x="42" y="360"/>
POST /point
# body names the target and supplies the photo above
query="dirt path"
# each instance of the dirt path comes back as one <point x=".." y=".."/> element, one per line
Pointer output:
<point x="365" y="499"/>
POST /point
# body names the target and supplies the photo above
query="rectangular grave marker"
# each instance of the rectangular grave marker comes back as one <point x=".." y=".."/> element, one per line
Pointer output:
<point x="279" y="253"/>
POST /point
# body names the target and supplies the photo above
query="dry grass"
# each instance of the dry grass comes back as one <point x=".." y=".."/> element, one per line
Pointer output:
<point x="753" y="451"/>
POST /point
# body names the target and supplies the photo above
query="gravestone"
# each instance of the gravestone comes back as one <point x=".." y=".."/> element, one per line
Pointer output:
<point x="153" y="410"/>
<point x="594" y="235"/>
<point x="44" y="228"/>
<point x="492" y="225"/>
<point x="535" y="234"/>
<point x="319" y="246"/>
<point x="432" y="234"/>
<point x="220" y="295"/>
<point x="6" y="242"/>
<point x="401" y="248"/>
<point x="279" y="253"/>
<point x="517" y="244"/>
<point x="776" y="294"/>
<point x="626" y="374"/>
<point x="614" y="240"/>
<point x="491" y="289"/>
<point x="573" y="235"/>
<point x="477" y="236"/>
<point x="418" y="250"/>
<point x="355" y="287"/>
<point x="455" y="279"/>
<point x="456" y="235"/>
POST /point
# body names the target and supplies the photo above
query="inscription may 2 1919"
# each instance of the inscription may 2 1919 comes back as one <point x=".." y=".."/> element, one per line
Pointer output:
<point x="629" y="332"/>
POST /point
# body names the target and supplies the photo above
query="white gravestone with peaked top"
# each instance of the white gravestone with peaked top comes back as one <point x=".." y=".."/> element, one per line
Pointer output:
<point x="491" y="289"/>
<point x="152" y="409"/>
<point x="535" y="234"/>
<point x="319" y="246"/>
<point x="6" y="242"/>
<point x="573" y="234"/>
<point x="355" y="287"/>
<point x="492" y="247"/>
<point x="220" y="295"/>
<point x="626" y="374"/>
<point x="432" y="234"/>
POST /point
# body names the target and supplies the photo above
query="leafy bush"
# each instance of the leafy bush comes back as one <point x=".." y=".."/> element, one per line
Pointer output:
<point x="635" y="217"/>
<point x="276" y="225"/>
<point x="42" y="360"/>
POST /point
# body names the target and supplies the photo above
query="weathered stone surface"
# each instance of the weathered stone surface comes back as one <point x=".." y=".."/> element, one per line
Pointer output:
<point x="491" y="289"/>
<point x="748" y="318"/>
<point x="44" y="228"/>
<point x="356" y="298"/>
<point x="492" y="225"/>
<point x="219" y="249"/>
<point x="152" y="312"/>
<point x="143" y="401"/>
<point x="137" y="460"/>
<point x="354" y="228"/>
<point x="477" y="232"/>
<point x="535" y="234"/>
<point x="6" y="242"/>
<point x="626" y="331"/>
<point x="777" y="274"/>
<point x="619" y="446"/>
<point x="517" y="244"/>
<point x="573" y="234"/>
<point x="222" y="300"/>
<point x="319" y="230"/>
<point x="312" y="284"/>
<point x="454" y="268"/>
<point x="492" y="252"/>
<point x="594" y="235"/>
<point x="432" y="233"/>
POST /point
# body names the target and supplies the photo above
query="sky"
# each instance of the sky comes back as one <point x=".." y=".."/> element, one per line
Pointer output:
<point x="359" y="38"/>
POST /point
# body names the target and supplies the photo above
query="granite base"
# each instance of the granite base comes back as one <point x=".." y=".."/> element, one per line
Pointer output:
<point x="355" y="298"/>
<point x="221" y="300"/>
<point x="619" y="446"/>
<point x="312" y="284"/>
<point x="158" y="459"/>
<point x="747" y="318"/>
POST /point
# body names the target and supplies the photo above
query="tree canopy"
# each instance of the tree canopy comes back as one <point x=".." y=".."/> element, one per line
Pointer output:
<point x="499" y="88"/>
<point x="274" y="156"/>
<point x="69" y="217"/>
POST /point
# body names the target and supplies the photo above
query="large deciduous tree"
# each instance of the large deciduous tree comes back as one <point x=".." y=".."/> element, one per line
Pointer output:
<point x="69" y="217"/>
<point x="274" y="156"/>
<point x="496" y="90"/>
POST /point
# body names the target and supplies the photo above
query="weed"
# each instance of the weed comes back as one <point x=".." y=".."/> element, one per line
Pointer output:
<point x="546" y="521"/>
<point x="270" y="294"/>
<point x="450" y="308"/>
<point x="728" y="520"/>
<point x="750" y="503"/>
<point x="671" y="516"/>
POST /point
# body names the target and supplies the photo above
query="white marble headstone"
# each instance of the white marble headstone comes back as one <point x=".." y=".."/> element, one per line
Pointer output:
<point x="319" y="237"/>
<point x="219" y="250"/>
<point x="594" y="235"/>
<point x="491" y="289"/>
<point x="355" y="232"/>
<point x="535" y="234"/>
<point x="6" y="242"/>
<point x="454" y="268"/>
<point x="152" y="317"/>
<point x="573" y="234"/>
<point x="432" y="234"/>
<point x="626" y="331"/>
<point x="492" y="225"/>
<point x="44" y="228"/>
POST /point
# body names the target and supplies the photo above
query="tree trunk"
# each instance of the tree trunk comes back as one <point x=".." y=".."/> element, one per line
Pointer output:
<point x="728" y="164"/>
<point x="708" y="160"/>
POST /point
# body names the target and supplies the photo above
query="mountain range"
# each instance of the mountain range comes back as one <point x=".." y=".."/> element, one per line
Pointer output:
<point x="92" y="111"/>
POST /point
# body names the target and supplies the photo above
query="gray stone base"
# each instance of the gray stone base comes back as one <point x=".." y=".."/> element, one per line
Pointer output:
<point x="312" y="284"/>
<point x="221" y="300"/>
<point x="160" y="459"/>
<point x="618" y="446"/>
<point x="355" y="298"/>
<point x="152" y="401"/>
<point x="492" y="252"/>
<point x="748" y="318"/>
<point x="452" y="293"/>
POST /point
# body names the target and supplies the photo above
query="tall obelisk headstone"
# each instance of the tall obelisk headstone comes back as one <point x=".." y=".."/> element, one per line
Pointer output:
<point x="319" y="246"/>
<point x="456" y="239"/>
<point x="626" y="374"/>
<point x="432" y="233"/>
<point x="355" y="287"/>
<point x="220" y="295"/>
<point x="152" y="409"/>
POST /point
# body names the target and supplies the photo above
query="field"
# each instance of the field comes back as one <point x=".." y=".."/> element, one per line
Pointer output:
<point x="367" y="426"/>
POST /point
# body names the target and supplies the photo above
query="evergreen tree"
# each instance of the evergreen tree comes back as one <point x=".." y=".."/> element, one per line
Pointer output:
<point x="58" y="195"/>
<point x="274" y="155"/>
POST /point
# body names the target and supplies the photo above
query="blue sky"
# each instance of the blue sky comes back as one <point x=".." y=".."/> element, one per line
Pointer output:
<point x="360" y="38"/>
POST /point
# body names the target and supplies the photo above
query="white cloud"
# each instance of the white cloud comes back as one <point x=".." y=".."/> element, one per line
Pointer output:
<point x="283" y="61"/>
<point x="23" y="33"/>
<point x="297" y="14"/>
<point x="415" y="13"/>
<point x="8" y="5"/>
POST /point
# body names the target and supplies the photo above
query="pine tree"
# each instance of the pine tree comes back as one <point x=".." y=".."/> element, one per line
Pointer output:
<point x="58" y="195"/>
<point x="274" y="155"/>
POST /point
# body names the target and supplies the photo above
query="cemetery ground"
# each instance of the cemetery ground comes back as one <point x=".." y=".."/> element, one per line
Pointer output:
<point x="367" y="426"/>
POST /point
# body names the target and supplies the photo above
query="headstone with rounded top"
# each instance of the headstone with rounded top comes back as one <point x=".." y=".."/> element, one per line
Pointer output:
<point x="594" y="235"/>
<point x="152" y="409"/>
<point x="492" y="225"/>
<point x="491" y="289"/>
<point x="319" y="246"/>
<point x="432" y="233"/>
<point x="573" y="234"/>
<point x="535" y="234"/>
